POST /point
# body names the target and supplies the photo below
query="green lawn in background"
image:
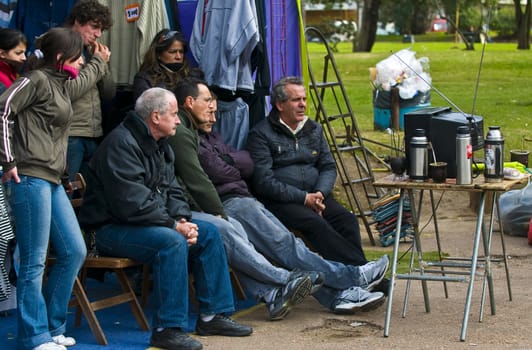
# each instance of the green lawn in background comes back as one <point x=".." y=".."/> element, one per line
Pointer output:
<point x="403" y="260"/>
<point x="504" y="94"/>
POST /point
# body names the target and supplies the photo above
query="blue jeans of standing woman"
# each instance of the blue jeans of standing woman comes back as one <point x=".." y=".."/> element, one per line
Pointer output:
<point x="43" y="215"/>
<point x="172" y="259"/>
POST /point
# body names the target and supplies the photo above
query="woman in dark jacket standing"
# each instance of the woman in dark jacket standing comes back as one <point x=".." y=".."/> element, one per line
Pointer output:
<point x="35" y="115"/>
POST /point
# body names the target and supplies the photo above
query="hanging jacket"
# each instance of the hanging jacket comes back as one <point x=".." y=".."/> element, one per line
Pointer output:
<point x="224" y="34"/>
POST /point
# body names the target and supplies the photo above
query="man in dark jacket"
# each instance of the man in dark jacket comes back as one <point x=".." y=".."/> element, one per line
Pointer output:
<point x="139" y="211"/>
<point x="279" y="288"/>
<point x="264" y="236"/>
<point x="295" y="173"/>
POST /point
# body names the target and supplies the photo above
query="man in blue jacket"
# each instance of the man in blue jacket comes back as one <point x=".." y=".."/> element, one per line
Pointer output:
<point x="138" y="210"/>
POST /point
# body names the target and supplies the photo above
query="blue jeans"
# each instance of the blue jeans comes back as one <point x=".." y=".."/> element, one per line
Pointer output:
<point x="274" y="241"/>
<point x="255" y="272"/>
<point x="79" y="153"/>
<point x="43" y="215"/>
<point x="172" y="259"/>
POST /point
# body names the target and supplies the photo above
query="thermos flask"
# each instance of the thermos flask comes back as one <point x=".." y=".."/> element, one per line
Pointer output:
<point x="494" y="155"/>
<point x="464" y="154"/>
<point x="419" y="156"/>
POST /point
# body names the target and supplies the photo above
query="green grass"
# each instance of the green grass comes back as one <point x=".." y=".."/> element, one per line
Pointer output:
<point x="403" y="260"/>
<point x="504" y="94"/>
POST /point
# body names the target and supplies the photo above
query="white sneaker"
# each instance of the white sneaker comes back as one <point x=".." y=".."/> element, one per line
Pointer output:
<point x="49" y="346"/>
<point x="355" y="299"/>
<point x="373" y="273"/>
<point x="65" y="341"/>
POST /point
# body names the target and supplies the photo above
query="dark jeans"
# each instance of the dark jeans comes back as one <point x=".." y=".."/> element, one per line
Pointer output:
<point x="335" y="235"/>
<point x="171" y="259"/>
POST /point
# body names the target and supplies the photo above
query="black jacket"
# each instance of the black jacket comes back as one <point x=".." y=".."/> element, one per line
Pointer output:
<point x="131" y="180"/>
<point x="288" y="166"/>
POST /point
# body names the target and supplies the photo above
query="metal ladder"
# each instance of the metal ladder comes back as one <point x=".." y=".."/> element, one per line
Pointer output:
<point x="345" y="141"/>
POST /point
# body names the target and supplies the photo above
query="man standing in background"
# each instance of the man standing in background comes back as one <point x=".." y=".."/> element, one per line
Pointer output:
<point x="90" y="19"/>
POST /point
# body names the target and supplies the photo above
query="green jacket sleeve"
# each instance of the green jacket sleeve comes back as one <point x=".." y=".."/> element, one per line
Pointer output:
<point x="188" y="169"/>
<point x="93" y="72"/>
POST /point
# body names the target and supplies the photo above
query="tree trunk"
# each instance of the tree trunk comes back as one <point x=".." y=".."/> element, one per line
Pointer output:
<point x="522" y="20"/>
<point x="368" y="28"/>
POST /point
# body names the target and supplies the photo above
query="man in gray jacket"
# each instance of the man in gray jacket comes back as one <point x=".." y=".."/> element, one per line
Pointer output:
<point x="90" y="19"/>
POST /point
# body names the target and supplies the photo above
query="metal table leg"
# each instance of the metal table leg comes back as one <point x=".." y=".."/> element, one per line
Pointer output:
<point x="474" y="260"/>
<point x="394" y="263"/>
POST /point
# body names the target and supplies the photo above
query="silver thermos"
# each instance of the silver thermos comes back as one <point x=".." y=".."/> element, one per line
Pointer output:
<point x="464" y="154"/>
<point x="494" y="155"/>
<point x="419" y="156"/>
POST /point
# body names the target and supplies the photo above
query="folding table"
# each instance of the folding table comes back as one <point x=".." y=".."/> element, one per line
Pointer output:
<point x="453" y="269"/>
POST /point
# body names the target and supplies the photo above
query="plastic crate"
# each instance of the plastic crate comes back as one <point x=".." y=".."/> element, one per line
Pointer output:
<point x="382" y="117"/>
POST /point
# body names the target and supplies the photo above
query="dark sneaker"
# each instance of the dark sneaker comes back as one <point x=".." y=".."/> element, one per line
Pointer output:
<point x="222" y="325"/>
<point x="174" y="339"/>
<point x="288" y="296"/>
<point x="372" y="273"/>
<point x="316" y="278"/>
<point x="383" y="286"/>
<point x="356" y="299"/>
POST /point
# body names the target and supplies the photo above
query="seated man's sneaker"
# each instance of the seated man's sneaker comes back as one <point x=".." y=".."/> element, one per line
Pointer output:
<point x="49" y="346"/>
<point x="316" y="278"/>
<point x="383" y="286"/>
<point x="372" y="273"/>
<point x="291" y="294"/>
<point x="356" y="299"/>
<point x="222" y="325"/>
<point x="65" y="341"/>
<point x="174" y="339"/>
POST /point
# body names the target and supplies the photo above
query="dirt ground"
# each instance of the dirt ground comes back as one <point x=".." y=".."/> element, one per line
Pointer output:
<point x="310" y="326"/>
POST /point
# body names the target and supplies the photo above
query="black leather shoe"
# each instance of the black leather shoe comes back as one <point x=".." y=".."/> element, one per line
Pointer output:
<point x="174" y="339"/>
<point x="222" y="325"/>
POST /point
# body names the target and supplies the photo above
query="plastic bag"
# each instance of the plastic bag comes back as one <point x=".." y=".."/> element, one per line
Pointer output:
<point x="516" y="210"/>
<point x="403" y="70"/>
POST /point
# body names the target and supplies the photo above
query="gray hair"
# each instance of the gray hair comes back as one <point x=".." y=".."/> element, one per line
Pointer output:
<point x="279" y="89"/>
<point x="154" y="99"/>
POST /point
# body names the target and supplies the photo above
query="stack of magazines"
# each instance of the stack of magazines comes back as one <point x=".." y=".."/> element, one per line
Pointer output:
<point x="385" y="215"/>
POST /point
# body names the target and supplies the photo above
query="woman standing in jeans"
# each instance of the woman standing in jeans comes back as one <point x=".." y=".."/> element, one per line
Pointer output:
<point x="35" y="114"/>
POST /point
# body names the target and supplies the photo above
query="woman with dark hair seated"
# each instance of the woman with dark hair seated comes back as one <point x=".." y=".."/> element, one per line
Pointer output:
<point x="164" y="63"/>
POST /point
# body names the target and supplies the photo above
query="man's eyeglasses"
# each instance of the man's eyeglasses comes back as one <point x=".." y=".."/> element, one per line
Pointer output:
<point x="167" y="36"/>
